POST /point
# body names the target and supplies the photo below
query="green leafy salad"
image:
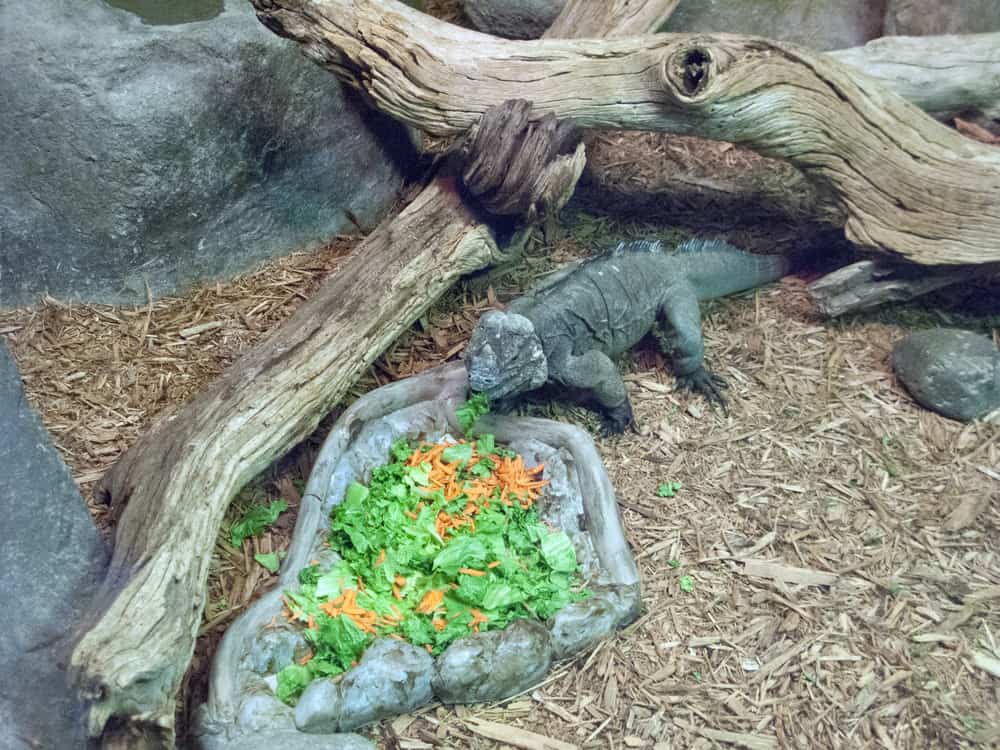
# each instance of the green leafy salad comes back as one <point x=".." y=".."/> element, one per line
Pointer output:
<point x="443" y="542"/>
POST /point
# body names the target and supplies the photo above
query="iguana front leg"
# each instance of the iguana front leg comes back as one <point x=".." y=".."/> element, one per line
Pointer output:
<point x="682" y="313"/>
<point x="594" y="372"/>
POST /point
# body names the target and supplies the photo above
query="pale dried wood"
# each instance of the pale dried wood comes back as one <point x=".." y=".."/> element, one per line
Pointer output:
<point x="739" y="739"/>
<point x="870" y="283"/>
<point x="176" y="482"/>
<point x="609" y="19"/>
<point x="903" y="183"/>
<point x="515" y="736"/>
<point x="943" y="75"/>
<point x="787" y="573"/>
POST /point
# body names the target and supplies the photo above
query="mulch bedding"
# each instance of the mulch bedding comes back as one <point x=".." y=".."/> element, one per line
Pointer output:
<point x="841" y="542"/>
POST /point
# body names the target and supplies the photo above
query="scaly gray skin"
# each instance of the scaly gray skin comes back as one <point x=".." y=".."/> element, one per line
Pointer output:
<point x="568" y="331"/>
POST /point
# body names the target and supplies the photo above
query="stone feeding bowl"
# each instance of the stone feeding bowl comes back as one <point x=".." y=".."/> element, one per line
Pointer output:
<point x="395" y="677"/>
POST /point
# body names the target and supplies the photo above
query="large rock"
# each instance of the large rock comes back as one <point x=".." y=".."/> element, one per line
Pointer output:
<point x="393" y="678"/>
<point x="820" y="24"/>
<point x="50" y="560"/>
<point x="927" y="17"/>
<point x="514" y="19"/>
<point x="138" y="152"/>
<point x="490" y="666"/>
<point x="955" y="373"/>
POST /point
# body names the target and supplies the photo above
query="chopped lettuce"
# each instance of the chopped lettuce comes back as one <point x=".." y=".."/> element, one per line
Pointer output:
<point x="469" y="412"/>
<point x="403" y="573"/>
<point x="255" y="520"/>
<point x="292" y="680"/>
<point x="268" y="560"/>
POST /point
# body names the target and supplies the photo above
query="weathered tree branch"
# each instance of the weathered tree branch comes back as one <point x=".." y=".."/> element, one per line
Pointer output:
<point x="867" y="284"/>
<point x="903" y="183"/>
<point x="943" y="75"/>
<point x="609" y="19"/>
<point x="650" y="174"/>
<point x="177" y="480"/>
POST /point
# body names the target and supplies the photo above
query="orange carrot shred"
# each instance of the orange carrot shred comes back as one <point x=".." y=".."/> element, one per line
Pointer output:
<point x="493" y="564"/>
<point x="381" y="558"/>
<point x="472" y="572"/>
<point x="431" y="601"/>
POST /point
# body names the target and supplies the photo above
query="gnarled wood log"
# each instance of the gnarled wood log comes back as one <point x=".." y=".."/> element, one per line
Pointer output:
<point x="177" y="480"/>
<point x="609" y="19"/>
<point x="651" y="174"/>
<point x="943" y="75"/>
<point x="867" y="284"/>
<point x="902" y="183"/>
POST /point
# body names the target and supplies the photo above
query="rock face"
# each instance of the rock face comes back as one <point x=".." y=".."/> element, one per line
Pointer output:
<point x="489" y="666"/>
<point x="819" y="24"/>
<point x="393" y="678"/>
<point x="138" y="152"/>
<point x="514" y="19"/>
<point x="927" y="17"/>
<point x="955" y="373"/>
<point x="51" y="560"/>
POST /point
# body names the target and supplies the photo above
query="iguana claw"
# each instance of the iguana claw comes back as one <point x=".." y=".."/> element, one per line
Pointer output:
<point x="707" y="383"/>
<point x="618" y="418"/>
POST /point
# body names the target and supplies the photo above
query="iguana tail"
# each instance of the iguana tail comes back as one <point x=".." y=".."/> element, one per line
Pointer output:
<point x="717" y="268"/>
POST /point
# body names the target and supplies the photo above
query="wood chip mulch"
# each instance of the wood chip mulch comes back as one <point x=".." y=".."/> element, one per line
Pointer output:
<point x="839" y="543"/>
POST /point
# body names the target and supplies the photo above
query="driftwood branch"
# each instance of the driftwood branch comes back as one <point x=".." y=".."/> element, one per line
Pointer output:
<point x="903" y="183"/>
<point x="867" y="284"/>
<point x="649" y="174"/>
<point x="177" y="480"/>
<point x="943" y="75"/>
<point x="609" y="19"/>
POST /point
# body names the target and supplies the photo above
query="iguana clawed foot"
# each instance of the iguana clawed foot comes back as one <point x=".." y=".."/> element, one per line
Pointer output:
<point x="705" y="382"/>
<point x="617" y="419"/>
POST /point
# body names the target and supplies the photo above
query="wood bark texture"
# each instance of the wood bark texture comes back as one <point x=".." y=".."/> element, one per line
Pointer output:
<point x="943" y="75"/>
<point x="608" y="19"/>
<point x="649" y="174"/>
<point x="867" y="284"/>
<point x="176" y="482"/>
<point x="905" y="184"/>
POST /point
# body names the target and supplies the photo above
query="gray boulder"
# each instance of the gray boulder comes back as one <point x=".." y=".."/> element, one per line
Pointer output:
<point x="514" y="19"/>
<point x="582" y="624"/>
<point x="393" y="677"/>
<point x="955" y="373"/>
<point x="51" y="560"/>
<point x="136" y="152"/>
<point x="928" y="17"/>
<point x="494" y="665"/>
<point x="819" y="24"/>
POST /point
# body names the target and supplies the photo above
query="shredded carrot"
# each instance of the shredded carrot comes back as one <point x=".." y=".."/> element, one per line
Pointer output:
<point x="493" y="564"/>
<point x="429" y="649"/>
<point x="472" y="572"/>
<point x="477" y="619"/>
<point x="439" y="625"/>
<point x="431" y="601"/>
<point x="381" y="558"/>
<point x="312" y="623"/>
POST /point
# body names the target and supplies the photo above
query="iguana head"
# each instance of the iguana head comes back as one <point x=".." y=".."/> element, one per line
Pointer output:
<point x="505" y="356"/>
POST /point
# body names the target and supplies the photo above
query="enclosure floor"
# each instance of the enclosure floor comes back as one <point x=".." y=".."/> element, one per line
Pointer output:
<point x="822" y="465"/>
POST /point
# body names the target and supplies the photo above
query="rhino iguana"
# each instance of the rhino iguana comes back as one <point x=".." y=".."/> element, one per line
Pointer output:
<point x="567" y="331"/>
